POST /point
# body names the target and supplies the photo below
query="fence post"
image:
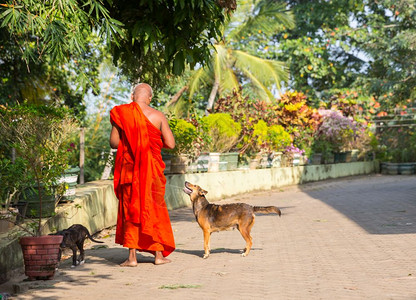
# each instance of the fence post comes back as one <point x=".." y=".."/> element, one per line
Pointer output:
<point x="81" y="154"/>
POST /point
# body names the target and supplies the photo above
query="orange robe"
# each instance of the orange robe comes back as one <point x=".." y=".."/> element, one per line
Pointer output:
<point x="139" y="183"/>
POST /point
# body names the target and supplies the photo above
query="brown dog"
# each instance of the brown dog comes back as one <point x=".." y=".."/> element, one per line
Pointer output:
<point x="213" y="218"/>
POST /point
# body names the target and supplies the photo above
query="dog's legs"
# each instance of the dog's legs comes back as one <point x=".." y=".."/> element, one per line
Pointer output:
<point x="81" y="259"/>
<point x="207" y="236"/>
<point x="74" y="256"/>
<point x="245" y="230"/>
<point x="59" y="258"/>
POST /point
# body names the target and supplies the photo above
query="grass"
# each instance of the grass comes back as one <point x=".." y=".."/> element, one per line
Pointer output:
<point x="180" y="286"/>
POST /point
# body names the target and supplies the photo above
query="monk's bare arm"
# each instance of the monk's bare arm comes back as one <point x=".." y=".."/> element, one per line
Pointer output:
<point x="114" y="137"/>
<point x="167" y="135"/>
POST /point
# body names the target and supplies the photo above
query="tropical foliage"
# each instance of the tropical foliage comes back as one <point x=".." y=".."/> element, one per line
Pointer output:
<point x="278" y="138"/>
<point x="231" y="65"/>
<point x="364" y="45"/>
<point x="141" y="36"/>
<point x="223" y="131"/>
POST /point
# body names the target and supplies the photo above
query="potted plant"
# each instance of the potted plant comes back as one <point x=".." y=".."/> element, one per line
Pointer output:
<point x="185" y="134"/>
<point x="340" y="131"/>
<point x="200" y="159"/>
<point x="255" y="145"/>
<point x="322" y="151"/>
<point x="40" y="134"/>
<point x="224" y="133"/>
<point x="69" y="180"/>
<point x="278" y="139"/>
<point x="292" y="155"/>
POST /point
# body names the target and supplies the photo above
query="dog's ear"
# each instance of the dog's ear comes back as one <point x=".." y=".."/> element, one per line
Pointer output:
<point x="203" y="192"/>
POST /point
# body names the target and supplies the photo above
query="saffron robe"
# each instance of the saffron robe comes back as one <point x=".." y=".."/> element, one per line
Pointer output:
<point x="139" y="183"/>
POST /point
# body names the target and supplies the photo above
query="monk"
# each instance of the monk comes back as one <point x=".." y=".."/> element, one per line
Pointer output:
<point x="139" y="132"/>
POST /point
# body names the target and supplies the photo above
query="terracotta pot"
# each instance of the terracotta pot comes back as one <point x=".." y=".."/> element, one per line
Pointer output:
<point x="40" y="255"/>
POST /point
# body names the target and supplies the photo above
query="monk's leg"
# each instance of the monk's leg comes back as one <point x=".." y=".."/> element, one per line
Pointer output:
<point x="160" y="259"/>
<point x="131" y="261"/>
<point x="127" y="232"/>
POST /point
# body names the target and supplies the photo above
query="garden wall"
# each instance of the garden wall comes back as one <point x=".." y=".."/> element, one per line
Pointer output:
<point x="96" y="205"/>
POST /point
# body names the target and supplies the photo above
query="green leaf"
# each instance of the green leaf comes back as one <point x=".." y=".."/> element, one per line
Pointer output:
<point x="178" y="63"/>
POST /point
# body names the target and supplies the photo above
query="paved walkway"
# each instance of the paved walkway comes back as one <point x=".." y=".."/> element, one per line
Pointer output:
<point x="352" y="238"/>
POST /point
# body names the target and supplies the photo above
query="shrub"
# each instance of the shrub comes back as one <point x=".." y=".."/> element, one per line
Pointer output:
<point x="13" y="178"/>
<point x="203" y="138"/>
<point x="278" y="138"/>
<point x="185" y="133"/>
<point x="322" y="146"/>
<point x="255" y="139"/>
<point x="223" y="130"/>
<point x="260" y="134"/>
<point x="248" y="113"/>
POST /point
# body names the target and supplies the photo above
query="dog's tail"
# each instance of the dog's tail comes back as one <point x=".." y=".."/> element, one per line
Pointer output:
<point x="91" y="238"/>
<point x="267" y="210"/>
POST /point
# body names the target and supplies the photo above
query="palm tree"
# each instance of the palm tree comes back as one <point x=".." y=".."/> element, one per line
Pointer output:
<point x="229" y="66"/>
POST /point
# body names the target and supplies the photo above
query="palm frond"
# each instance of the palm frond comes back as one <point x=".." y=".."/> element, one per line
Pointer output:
<point x="220" y="60"/>
<point x="228" y="82"/>
<point x="265" y="70"/>
<point x="266" y="16"/>
<point x="199" y="78"/>
<point x="262" y="91"/>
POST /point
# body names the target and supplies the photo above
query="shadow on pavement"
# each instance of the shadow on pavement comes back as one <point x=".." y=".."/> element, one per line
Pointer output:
<point x="380" y="204"/>
<point x="200" y="253"/>
<point x="184" y="214"/>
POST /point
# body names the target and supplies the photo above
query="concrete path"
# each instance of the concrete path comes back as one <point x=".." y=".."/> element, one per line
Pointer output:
<point x="352" y="238"/>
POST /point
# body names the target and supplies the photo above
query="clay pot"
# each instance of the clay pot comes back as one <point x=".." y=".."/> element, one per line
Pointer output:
<point x="40" y="254"/>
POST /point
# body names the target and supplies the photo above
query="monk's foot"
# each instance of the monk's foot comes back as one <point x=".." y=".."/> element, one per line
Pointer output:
<point x="128" y="263"/>
<point x="162" y="261"/>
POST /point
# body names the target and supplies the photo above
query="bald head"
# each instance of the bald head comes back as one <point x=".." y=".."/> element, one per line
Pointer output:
<point x="142" y="92"/>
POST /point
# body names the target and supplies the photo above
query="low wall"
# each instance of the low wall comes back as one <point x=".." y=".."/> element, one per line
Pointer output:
<point x="96" y="205"/>
<point x="225" y="184"/>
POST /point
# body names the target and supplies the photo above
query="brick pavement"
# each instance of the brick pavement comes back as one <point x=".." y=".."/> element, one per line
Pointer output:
<point x="350" y="238"/>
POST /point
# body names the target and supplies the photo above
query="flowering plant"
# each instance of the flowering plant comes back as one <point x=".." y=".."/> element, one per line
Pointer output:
<point x="292" y="150"/>
<point x="337" y="129"/>
<point x="290" y="153"/>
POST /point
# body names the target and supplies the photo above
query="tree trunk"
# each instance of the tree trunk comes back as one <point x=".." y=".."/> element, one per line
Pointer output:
<point x="176" y="97"/>
<point x="212" y="96"/>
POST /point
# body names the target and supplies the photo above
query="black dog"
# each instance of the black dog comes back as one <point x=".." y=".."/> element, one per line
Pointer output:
<point x="74" y="238"/>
